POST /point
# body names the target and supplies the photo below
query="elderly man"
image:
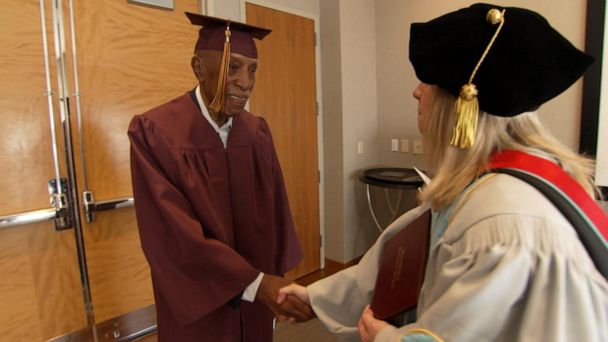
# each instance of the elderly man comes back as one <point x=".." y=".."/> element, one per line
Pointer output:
<point x="210" y="200"/>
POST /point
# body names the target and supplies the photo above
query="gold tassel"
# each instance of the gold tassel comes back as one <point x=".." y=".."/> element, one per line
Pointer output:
<point x="467" y="105"/>
<point x="220" y="93"/>
<point x="467" y="110"/>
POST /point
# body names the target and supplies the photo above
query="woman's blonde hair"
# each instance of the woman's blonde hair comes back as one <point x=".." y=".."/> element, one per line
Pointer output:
<point x="453" y="168"/>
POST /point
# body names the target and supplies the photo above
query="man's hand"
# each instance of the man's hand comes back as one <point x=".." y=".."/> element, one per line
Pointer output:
<point x="369" y="326"/>
<point x="291" y="307"/>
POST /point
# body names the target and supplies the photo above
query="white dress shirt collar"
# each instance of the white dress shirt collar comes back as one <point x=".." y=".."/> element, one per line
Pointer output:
<point x="222" y="131"/>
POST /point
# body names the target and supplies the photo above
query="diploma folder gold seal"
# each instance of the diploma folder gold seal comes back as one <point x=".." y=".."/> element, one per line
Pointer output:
<point x="401" y="269"/>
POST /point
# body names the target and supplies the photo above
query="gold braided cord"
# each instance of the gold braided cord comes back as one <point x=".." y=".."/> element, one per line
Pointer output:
<point x="502" y="21"/>
<point x="220" y="93"/>
<point x="467" y="105"/>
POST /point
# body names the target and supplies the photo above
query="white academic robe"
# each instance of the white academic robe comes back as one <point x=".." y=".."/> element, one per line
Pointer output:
<point x="509" y="267"/>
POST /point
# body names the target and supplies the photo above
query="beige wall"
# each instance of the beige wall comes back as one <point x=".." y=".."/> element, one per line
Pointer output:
<point x="232" y="9"/>
<point x="360" y="120"/>
<point x="331" y="78"/>
<point x="349" y="118"/>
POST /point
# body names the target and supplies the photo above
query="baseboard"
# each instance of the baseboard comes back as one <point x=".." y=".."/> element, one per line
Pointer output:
<point x="331" y="267"/>
<point x="127" y="327"/>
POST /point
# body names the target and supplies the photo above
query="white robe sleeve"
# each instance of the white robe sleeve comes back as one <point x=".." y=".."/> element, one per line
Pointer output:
<point x="339" y="300"/>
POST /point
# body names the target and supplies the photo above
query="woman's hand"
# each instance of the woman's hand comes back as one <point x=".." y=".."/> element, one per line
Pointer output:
<point x="369" y="326"/>
<point x="294" y="296"/>
<point x="293" y="289"/>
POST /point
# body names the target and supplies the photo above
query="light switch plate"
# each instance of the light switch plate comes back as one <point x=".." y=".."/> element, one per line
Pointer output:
<point x="394" y="145"/>
<point x="417" y="147"/>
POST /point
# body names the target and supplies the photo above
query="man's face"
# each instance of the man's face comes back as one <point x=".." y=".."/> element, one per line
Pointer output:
<point x="241" y="78"/>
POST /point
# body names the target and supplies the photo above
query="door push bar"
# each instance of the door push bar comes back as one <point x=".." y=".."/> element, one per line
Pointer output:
<point x="91" y="207"/>
<point x="60" y="210"/>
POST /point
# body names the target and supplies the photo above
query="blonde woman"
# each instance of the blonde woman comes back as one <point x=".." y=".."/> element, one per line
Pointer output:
<point x="507" y="261"/>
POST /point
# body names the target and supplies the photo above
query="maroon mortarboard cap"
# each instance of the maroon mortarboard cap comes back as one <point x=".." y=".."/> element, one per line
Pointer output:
<point x="212" y="35"/>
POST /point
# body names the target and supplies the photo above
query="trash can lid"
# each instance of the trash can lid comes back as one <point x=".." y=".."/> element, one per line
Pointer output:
<point x="394" y="175"/>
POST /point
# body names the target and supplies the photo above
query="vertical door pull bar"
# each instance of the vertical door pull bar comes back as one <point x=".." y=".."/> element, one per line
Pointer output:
<point x="60" y="56"/>
<point x="49" y="95"/>
<point x="77" y="95"/>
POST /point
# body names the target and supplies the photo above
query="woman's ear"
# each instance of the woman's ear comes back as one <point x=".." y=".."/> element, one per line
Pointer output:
<point x="198" y="69"/>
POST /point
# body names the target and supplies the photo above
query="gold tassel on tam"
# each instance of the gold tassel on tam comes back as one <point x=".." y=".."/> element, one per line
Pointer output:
<point x="220" y="92"/>
<point x="467" y="108"/>
<point x="467" y="105"/>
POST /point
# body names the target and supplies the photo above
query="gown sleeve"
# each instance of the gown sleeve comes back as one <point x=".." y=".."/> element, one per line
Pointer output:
<point x="339" y="299"/>
<point x="194" y="273"/>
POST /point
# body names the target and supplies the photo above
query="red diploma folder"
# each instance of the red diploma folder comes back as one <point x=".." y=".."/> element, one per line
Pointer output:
<point x="401" y="269"/>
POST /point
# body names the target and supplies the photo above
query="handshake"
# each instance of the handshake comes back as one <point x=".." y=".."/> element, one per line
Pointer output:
<point x="288" y="301"/>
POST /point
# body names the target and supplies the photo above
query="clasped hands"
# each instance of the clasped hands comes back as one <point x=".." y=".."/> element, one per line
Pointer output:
<point x="290" y="301"/>
<point x="291" y="306"/>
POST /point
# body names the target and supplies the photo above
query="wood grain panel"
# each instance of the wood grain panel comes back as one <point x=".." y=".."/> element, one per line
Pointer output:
<point x="56" y="279"/>
<point x="40" y="292"/>
<point x="39" y="287"/>
<point x="119" y="273"/>
<point x="131" y="58"/>
<point x="18" y="307"/>
<point x="24" y="123"/>
<point x="285" y="94"/>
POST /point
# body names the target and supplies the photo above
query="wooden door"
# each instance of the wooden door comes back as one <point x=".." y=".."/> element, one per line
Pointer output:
<point x="285" y="94"/>
<point x="131" y="58"/>
<point x="40" y="291"/>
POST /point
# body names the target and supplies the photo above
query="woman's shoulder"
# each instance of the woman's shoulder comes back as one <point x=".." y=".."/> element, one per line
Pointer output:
<point x="502" y="194"/>
<point x="506" y="210"/>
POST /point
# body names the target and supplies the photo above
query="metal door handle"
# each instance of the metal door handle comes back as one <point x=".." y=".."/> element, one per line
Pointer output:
<point x="33" y="216"/>
<point x="91" y="207"/>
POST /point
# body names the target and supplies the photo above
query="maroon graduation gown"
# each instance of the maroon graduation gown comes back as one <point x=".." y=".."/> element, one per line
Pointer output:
<point x="210" y="219"/>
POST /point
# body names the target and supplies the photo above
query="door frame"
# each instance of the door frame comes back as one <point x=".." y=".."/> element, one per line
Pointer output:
<point x="205" y="7"/>
<point x="315" y="19"/>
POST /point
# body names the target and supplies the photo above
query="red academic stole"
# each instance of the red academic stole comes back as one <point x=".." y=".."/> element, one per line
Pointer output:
<point x="583" y="212"/>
